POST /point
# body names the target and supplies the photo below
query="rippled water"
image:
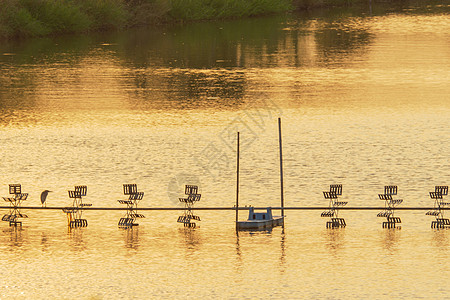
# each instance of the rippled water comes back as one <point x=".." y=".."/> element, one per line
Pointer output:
<point x="364" y="99"/>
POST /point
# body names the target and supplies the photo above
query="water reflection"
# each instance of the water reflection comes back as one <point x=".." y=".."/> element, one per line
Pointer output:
<point x="77" y="241"/>
<point x="191" y="237"/>
<point x="440" y="239"/>
<point x="207" y="65"/>
<point x="335" y="240"/>
<point x="213" y="45"/>
<point x="246" y="236"/>
<point x="390" y="238"/>
<point x="44" y="242"/>
<point x="238" y="247"/>
<point x="282" y="250"/>
<point x="186" y="89"/>
<point x="15" y="236"/>
<point x="264" y="42"/>
<point x="197" y="66"/>
<point x="131" y="237"/>
<point x="341" y="46"/>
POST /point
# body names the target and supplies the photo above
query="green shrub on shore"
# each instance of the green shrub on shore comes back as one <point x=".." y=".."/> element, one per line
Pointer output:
<point x="307" y="4"/>
<point x="207" y="9"/>
<point x="105" y="14"/>
<point x="16" y="20"/>
<point x="57" y="16"/>
<point x="144" y="12"/>
<point x="44" y="17"/>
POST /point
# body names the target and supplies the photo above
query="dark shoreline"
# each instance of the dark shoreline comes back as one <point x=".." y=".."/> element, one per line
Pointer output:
<point x="39" y="18"/>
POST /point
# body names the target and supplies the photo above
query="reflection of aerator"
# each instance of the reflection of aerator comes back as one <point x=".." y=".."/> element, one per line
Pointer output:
<point x="334" y="204"/>
<point x="133" y="199"/>
<point x="389" y="204"/>
<point x="439" y="205"/>
<point x="75" y="212"/>
<point x="191" y="191"/>
<point x="14" y="202"/>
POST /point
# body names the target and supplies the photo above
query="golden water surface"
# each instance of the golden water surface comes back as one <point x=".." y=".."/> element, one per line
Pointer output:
<point x="363" y="94"/>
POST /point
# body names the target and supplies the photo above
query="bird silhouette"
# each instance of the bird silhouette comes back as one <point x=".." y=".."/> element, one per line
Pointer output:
<point x="44" y="195"/>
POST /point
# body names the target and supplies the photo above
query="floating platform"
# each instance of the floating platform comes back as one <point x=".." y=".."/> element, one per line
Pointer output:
<point x="260" y="220"/>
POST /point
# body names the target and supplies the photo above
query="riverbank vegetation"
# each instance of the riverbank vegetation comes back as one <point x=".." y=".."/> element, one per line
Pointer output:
<point x="22" y="18"/>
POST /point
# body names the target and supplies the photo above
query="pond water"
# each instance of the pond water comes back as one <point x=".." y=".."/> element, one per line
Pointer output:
<point x="363" y="94"/>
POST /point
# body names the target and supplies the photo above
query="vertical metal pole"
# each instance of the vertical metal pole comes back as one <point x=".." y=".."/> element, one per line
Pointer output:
<point x="237" y="181"/>
<point x="281" y="166"/>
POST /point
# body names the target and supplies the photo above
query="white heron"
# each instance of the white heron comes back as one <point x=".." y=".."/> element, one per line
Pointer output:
<point x="44" y="195"/>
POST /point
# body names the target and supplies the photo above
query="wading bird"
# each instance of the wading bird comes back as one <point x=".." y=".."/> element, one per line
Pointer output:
<point x="44" y="195"/>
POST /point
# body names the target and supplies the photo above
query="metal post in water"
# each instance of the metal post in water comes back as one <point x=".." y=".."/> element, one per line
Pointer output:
<point x="237" y="181"/>
<point x="281" y="166"/>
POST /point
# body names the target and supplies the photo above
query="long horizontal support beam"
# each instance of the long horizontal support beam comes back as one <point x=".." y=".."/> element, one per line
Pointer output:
<point x="222" y="208"/>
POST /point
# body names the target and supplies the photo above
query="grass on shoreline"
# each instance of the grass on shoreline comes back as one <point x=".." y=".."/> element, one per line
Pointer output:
<point x="24" y="18"/>
<point x="44" y="17"/>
